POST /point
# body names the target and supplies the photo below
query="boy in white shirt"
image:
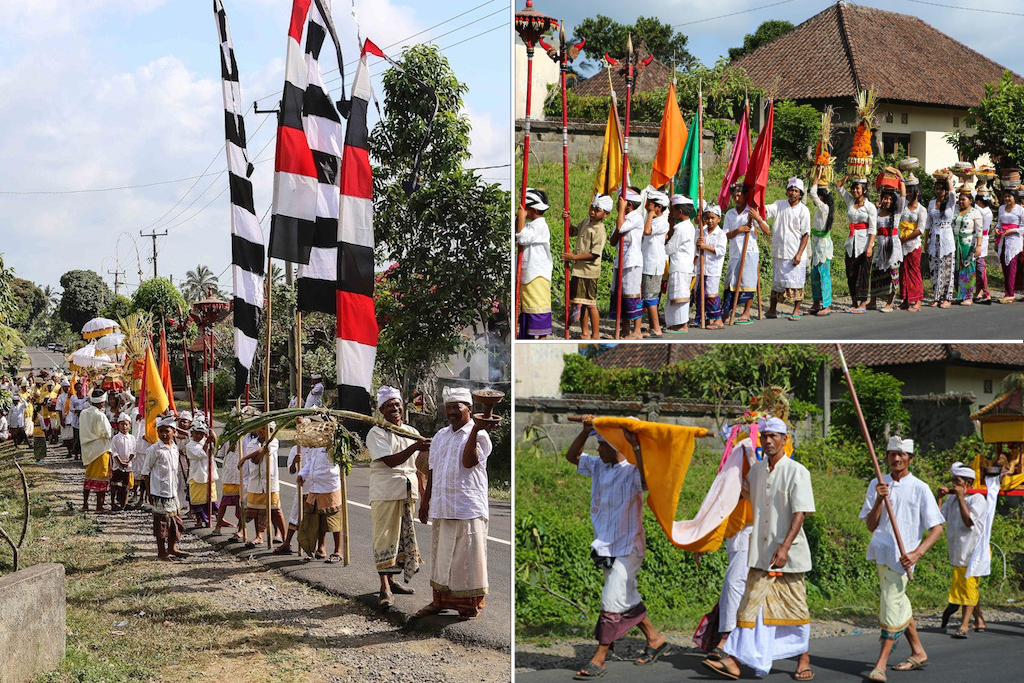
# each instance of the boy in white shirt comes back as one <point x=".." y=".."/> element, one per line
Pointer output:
<point x="680" y="247"/>
<point x="629" y="227"/>
<point x="534" y="238"/>
<point x="256" y="484"/>
<point x="163" y="469"/>
<point x="201" y="469"/>
<point x="712" y="243"/>
<point x="653" y="255"/>
<point x="122" y="451"/>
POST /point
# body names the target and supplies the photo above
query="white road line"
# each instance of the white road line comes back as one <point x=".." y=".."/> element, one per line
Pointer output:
<point x="363" y="505"/>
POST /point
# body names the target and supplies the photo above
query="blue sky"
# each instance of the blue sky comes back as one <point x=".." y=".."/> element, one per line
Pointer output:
<point x="123" y="93"/>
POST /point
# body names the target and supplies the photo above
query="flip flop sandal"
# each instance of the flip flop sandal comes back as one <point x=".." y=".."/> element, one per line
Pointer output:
<point x="979" y="630"/>
<point x="720" y="670"/>
<point x="960" y="634"/>
<point x="283" y="550"/>
<point x="319" y="555"/>
<point x="857" y="311"/>
<point x="672" y="333"/>
<point x="914" y="664"/>
<point x="716" y="655"/>
<point x="885" y="309"/>
<point x="385" y="599"/>
<point x="795" y="317"/>
<point x="591" y="670"/>
<point x="402" y="590"/>
<point x="427" y="611"/>
<point x="808" y="675"/>
<point x="333" y="559"/>
<point x="876" y="675"/>
<point x="744" y="322"/>
<point x="651" y="655"/>
<point x="251" y="544"/>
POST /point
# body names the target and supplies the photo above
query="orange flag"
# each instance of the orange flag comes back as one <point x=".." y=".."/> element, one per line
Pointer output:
<point x="165" y="372"/>
<point x="155" y="397"/>
<point x="671" y="141"/>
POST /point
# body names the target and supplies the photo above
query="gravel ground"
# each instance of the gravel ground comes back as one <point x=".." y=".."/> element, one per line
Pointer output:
<point x="355" y="643"/>
<point x="554" y="654"/>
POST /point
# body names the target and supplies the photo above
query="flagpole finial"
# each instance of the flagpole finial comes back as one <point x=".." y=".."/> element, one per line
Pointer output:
<point x="629" y="43"/>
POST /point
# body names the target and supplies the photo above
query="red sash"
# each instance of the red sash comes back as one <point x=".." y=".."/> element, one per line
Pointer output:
<point x="856" y="226"/>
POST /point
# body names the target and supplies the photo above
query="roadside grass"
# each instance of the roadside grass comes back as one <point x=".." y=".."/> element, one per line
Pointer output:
<point x="171" y="634"/>
<point x="553" y="535"/>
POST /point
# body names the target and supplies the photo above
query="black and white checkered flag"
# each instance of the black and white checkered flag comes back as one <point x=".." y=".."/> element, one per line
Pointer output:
<point x="247" y="250"/>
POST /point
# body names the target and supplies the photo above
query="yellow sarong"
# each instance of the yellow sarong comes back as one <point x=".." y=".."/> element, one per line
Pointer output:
<point x="259" y="501"/>
<point x="99" y="469"/>
<point x="964" y="590"/>
<point x="895" y="611"/>
<point x="197" y="493"/>
<point x="535" y="296"/>
<point x="783" y="598"/>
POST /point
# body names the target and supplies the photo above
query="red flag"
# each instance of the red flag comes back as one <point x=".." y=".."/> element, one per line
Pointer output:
<point x="165" y="371"/>
<point x="756" y="180"/>
<point x="740" y="158"/>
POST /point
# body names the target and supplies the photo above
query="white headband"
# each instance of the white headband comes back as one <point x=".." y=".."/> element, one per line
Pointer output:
<point x="123" y="417"/>
<point x="658" y="197"/>
<point x="457" y="395"/>
<point x="386" y="393"/>
<point x="536" y="199"/>
<point x="632" y="196"/>
<point x="898" y="444"/>
<point x="603" y="202"/>
<point x="681" y="200"/>
<point x="961" y="470"/>
<point x="795" y="182"/>
<point x="772" y="424"/>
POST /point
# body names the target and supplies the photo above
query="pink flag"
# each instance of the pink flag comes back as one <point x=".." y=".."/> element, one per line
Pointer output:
<point x="740" y="158"/>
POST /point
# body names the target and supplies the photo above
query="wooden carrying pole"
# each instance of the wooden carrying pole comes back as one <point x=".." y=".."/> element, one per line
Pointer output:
<point x="625" y="176"/>
<point x="266" y="407"/>
<point x="298" y="396"/>
<point x="563" y="67"/>
<point x="871" y="449"/>
<point x="739" y="275"/>
<point x="241" y="476"/>
<point x="700" y="200"/>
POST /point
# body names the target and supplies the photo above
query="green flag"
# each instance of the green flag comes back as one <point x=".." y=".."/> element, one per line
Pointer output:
<point x="687" y="180"/>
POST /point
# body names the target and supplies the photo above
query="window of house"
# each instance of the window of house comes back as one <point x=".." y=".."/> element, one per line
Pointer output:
<point x="888" y="117"/>
<point x="956" y="121"/>
<point x="988" y="386"/>
<point x="891" y="142"/>
<point x="904" y="118"/>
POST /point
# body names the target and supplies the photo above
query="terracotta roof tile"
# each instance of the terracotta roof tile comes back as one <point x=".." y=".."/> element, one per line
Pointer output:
<point x="880" y="355"/>
<point x="650" y="356"/>
<point x="656" y="75"/>
<point x="848" y="46"/>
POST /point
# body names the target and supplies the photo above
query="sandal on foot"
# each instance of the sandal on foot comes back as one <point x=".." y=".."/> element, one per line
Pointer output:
<point x="591" y="670"/>
<point x="979" y="629"/>
<point x="960" y="634"/>
<point x="909" y="664"/>
<point x="720" y="669"/>
<point x="402" y="590"/>
<point x="333" y="559"/>
<point x="282" y="550"/>
<point x="804" y="675"/>
<point x="795" y="316"/>
<point x="876" y="675"/>
<point x="427" y="611"/>
<point x="650" y="655"/>
<point x="716" y="655"/>
<point x="319" y="554"/>
<point x="385" y="599"/>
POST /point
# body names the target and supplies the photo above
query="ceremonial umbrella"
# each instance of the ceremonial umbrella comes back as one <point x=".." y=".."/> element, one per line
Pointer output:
<point x="112" y="345"/>
<point x="97" y="327"/>
<point x="87" y="358"/>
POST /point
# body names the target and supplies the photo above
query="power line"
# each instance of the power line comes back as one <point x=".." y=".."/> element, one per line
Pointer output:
<point x="106" y="189"/>
<point x="969" y="9"/>
<point x="732" y="14"/>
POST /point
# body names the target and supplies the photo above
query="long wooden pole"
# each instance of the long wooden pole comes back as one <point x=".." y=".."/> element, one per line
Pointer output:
<point x="241" y="474"/>
<point x="625" y="176"/>
<point x="700" y="194"/>
<point x="526" y="173"/>
<point x="298" y="395"/>
<point x="209" y="425"/>
<point x="871" y="449"/>
<point x="266" y="404"/>
<point x="564" y="67"/>
<point x="739" y="276"/>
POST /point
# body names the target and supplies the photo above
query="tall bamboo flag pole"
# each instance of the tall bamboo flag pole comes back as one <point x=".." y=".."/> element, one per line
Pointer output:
<point x="298" y="396"/>
<point x="241" y="474"/>
<point x="700" y="193"/>
<point x="266" y="403"/>
<point x="871" y="449"/>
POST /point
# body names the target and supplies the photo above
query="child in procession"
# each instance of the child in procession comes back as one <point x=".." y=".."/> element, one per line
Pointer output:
<point x="586" y="265"/>
<point x="653" y="256"/>
<point x="712" y="243"/>
<point x="534" y="238"/>
<point x="122" y="447"/>
<point x="680" y="249"/>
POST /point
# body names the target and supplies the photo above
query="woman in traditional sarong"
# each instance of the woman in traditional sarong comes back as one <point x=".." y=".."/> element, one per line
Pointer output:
<point x="913" y="221"/>
<point x="967" y="242"/>
<point x="1008" y="242"/>
<point x="983" y="203"/>
<point x="821" y="248"/>
<point x="939" y="243"/>
<point x="860" y="244"/>
<point x="533" y="236"/>
<point x="885" y="264"/>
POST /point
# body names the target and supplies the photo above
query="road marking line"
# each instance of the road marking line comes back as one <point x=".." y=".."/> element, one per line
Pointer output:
<point x="364" y="505"/>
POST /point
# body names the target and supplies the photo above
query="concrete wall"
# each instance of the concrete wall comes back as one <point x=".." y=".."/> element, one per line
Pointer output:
<point x="938" y="422"/>
<point x="973" y="380"/>
<point x="32" y="622"/>
<point x="545" y="72"/>
<point x="539" y="368"/>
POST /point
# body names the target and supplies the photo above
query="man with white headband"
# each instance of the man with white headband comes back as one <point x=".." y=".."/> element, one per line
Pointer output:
<point x="455" y="500"/>
<point x="680" y="247"/>
<point x="629" y="227"/>
<point x="653" y="254"/>
<point x="916" y="511"/>
<point x="163" y="472"/>
<point x="395" y="486"/>
<point x="534" y="238"/>
<point x="315" y="397"/>
<point x="791" y="231"/>
<point x="95" y="433"/>
<point x="737" y="223"/>
<point x="966" y="518"/>
<point x="773" y="621"/>
<point x="619" y="546"/>
<point x="586" y="265"/>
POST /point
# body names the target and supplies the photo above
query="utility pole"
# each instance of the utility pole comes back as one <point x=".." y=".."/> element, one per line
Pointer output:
<point x="153" y="235"/>
<point x="117" y="282"/>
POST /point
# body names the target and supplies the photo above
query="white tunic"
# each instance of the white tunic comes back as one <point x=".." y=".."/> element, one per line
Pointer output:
<point x="916" y="512"/>
<point x="256" y="475"/>
<point x="986" y="226"/>
<point x="17" y="415"/>
<point x="960" y="538"/>
<point x="713" y="260"/>
<point x="458" y="492"/>
<point x="616" y="506"/>
<point x="653" y="246"/>
<point x="733" y="220"/>
<point x="198" y="463"/>
<point x="940" y="227"/>
<point x="122" y="447"/>
<point x="680" y="250"/>
<point x="857" y="243"/>
<point x="535" y="239"/>
<point x="790" y="226"/>
<point x="161" y="465"/>
<point x="775" y="497"/>
<point x="631" y="231"/>
<point x="230" y="465"/>
<point x="391" y="483"/>
<point x="319" y="473"/>
<point x="919" y="217"/>
<point x="888" y="252"/>
<point x="822" y="248"/>
<point x="1011" y="241"/>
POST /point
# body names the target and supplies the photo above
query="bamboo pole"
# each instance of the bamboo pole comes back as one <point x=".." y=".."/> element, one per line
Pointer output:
<point x="266" y="406"/>
<point x="739" y="276"/>
<point x="209" y="450"/>
<point x="871" y="449"/>
<point x="700" y="195"/>
<point x="625" y="176"/>
<point x="298" y="395"/>
<point x="188" y="375"/>
<point x="344" y="518"/>
<point x="564" y="67"/>
<point x="241" y="476"/>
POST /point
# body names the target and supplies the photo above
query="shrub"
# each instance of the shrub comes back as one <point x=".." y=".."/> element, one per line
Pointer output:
<point x="880" y="401"/>
<point x="796" y="128"/>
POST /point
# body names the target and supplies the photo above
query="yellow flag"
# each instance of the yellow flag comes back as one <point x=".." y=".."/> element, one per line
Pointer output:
<point x="609" y="172"/>
<point x="671" y="141"/>
<point x="156" y="397"/>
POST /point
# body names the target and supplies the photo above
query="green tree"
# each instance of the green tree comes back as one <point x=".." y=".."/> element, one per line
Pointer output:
<point x="11" y="346"/>
<point x="998" y="120"/>
<point x="85" y="295"/>
<point x="158" y="296"/>
<point x="765" y="33"/>
<point x="447" y="241"/>
<point x="120" y="306"/>
<point x="30" y="304"/>
<point x="52" y="298"/>
<point x="198" y="283"/>
<point x="880" y="400"/>
<point x="796" y="129"/>
<point x="605" y="35"/>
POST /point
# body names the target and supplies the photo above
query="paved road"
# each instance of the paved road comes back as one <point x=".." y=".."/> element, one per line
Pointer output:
<point x="493" y="628"/>
<point x="41" y="358"/>
<point x="989" y="657"/>
<point x="988" y="322"/>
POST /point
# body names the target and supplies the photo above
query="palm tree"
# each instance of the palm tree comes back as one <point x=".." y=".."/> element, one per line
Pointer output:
<point x="276" y="274"/>
<point x="198" y="283"/>
<point x="52" y="298"/>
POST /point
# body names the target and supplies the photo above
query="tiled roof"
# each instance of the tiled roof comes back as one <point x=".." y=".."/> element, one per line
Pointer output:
<point x="655" y="75"/>
<point x="849" y="47"/>
<point x="879" y="355"/>
<point x="650" y="356"/>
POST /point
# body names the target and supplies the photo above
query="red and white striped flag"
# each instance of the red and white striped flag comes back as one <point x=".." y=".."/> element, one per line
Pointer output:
<point x="356" y="343"/>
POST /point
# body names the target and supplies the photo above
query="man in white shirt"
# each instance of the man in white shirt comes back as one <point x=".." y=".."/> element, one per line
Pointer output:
<point x="916" y="512"/>
<point x="773" y="621"/>
<point x="653" y="254"/>
<point x="315" y="397"/>
<point x="395" y="486"/>
<point x="94" y="435"/>
<point x="79" y="402"/>
<point x="966" y="516"/>
<point x="163" y="470"/>
<point x="320" y="478"/>
<point x="202" y="474"/>
<point x="619" y="546"/>
<point x="16" y="420"/>
<point x="680" y="248"/>
<point x="533" y="239"/>
<point x="256" y="484"/>
<point x="790" y="234"/>
<point x="455" y="500"/>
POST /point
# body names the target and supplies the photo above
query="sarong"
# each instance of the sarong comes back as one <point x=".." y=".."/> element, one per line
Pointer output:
<point x="1010" y="275"/>
<point x="788" y="278"/>
<point x="650" y="290"/>
<point x="885" y="282"/>
<point x="964" y="589"/>
<point x="981" y="279"/>
<point x="735" y="579"/>
<point x="858" y="276"/>
<point x="39" y="448"/>
<point x="911" y="282"/>
<point x="395" y="550"/>
<point x="943" y="277"/>
<point x="459" y="572"/>
<point x="535" y="308"/>
<point x="318" y="520"/>
<point x="773" y="620"/>
<point x="821" y="283"/>
<point x="677" y="313"/>
<point x="727" y="296"/>
<point x="122" y="479"/>
<point x="966" y="268"/>
<point x="895" y="612"/>
<point x="622" y="607"/>
<point x="256" y="502"/>
<point x="97" y="474"/>
<point x="197" y="493"/>
<point x="583" y="291"/>
<point x="632" y="308"/>
<point x="229" y="494"/>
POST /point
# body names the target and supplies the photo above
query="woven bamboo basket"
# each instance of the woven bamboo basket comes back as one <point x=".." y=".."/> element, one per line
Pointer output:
<point x="309" y="434"/>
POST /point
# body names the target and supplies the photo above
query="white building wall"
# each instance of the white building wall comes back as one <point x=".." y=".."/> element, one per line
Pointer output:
<point x="960" y="379"/>
<point x="539" y="368"/>
<point x="926" y="126"/>
<point x="545" y="72"/>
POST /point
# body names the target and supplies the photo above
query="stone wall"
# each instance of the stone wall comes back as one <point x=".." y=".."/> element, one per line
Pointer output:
<point x="32" y="622"/>
<point x="937" y="421"/>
